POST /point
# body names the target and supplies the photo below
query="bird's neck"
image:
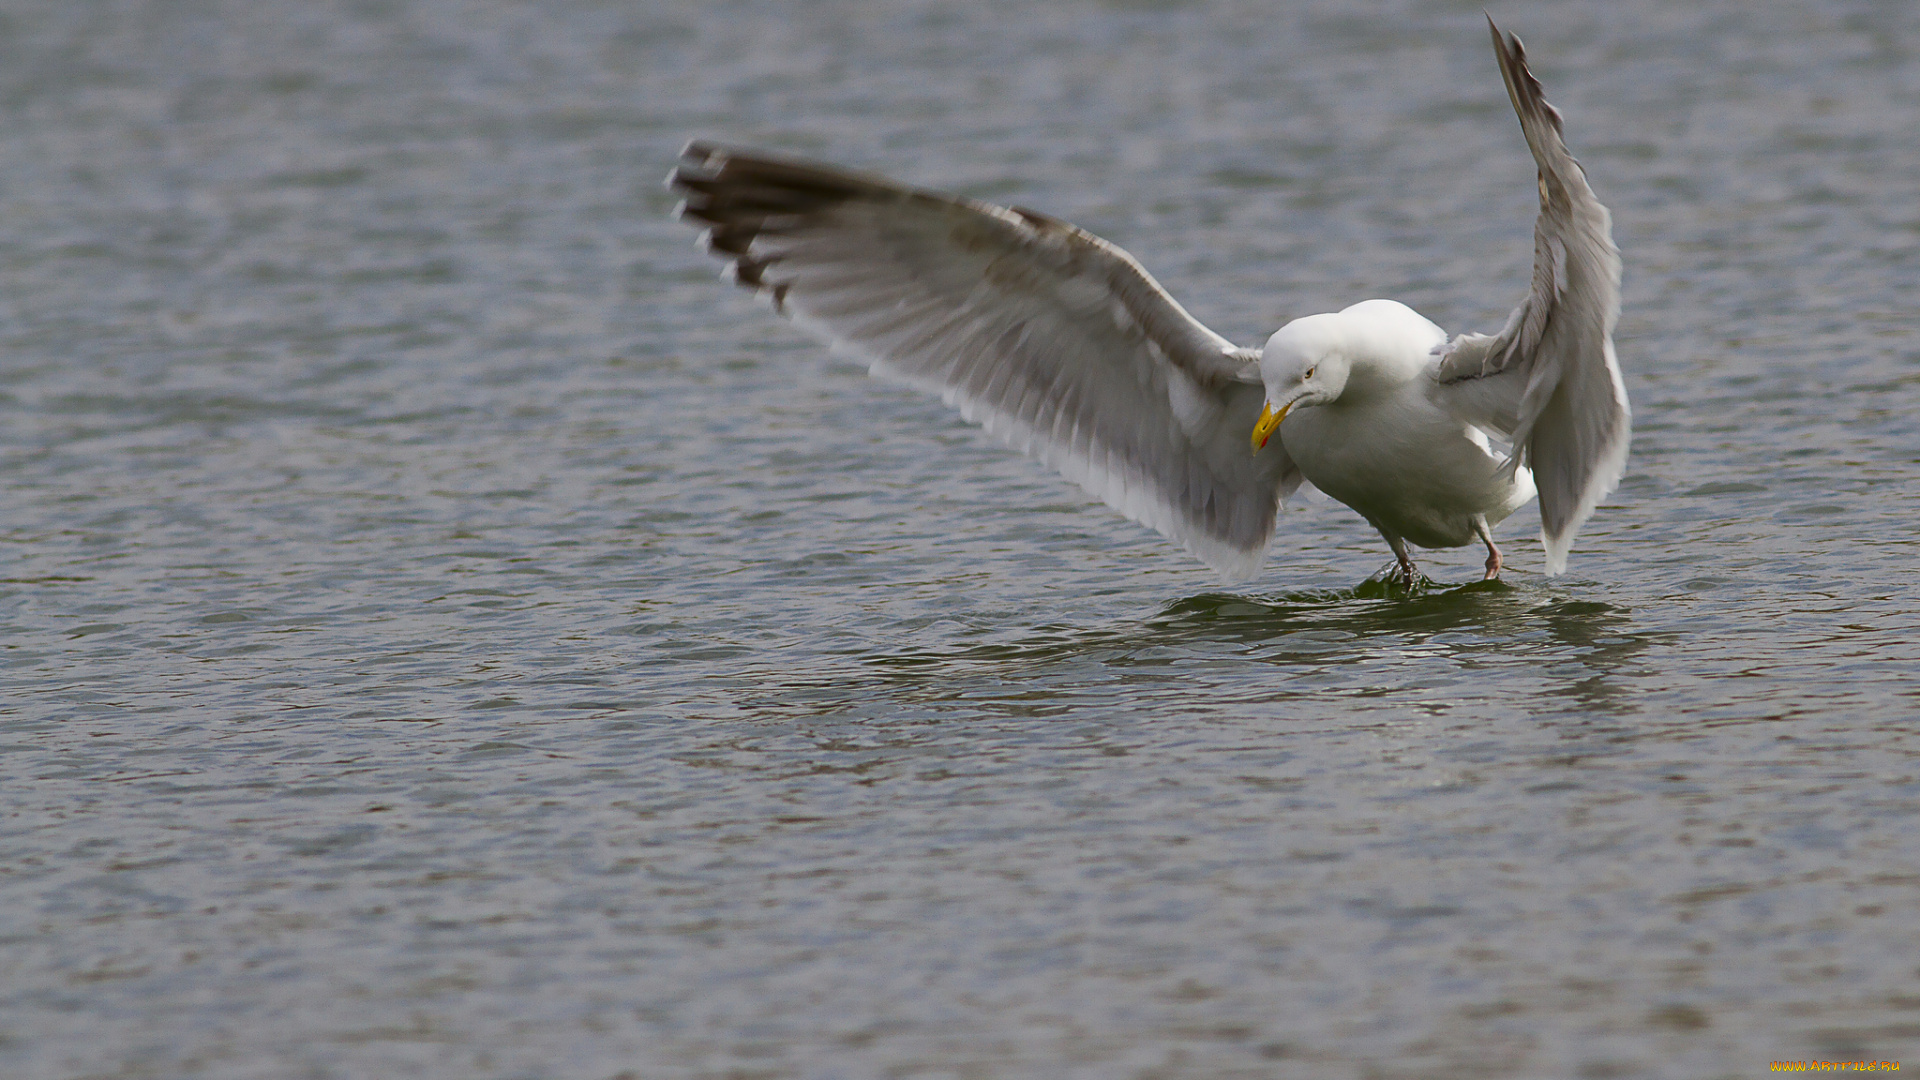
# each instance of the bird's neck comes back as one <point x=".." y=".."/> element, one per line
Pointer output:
<point x="1373" y="377"/>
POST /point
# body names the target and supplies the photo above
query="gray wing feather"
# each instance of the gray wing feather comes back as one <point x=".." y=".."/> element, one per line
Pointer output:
<point x="1549" y="381"/>
<point x="1054" y="340"/>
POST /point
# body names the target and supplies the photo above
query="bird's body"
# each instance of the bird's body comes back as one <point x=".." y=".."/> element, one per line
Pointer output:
<point x="1062" y="345"/>
<point x="1389" y="447"/>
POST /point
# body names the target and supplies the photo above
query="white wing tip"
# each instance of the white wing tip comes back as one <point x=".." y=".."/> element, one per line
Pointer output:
<point x="1557" y="550"/>
<point x="1606" y="478"/>
<point x="1234" y="566"/>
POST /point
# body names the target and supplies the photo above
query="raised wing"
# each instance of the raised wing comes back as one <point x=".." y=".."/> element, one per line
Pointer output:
<point x="1054" y="340"/>
<point x="1549" y="381"/>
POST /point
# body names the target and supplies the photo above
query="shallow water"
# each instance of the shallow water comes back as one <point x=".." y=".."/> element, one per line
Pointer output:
<point x="447" y="633"/>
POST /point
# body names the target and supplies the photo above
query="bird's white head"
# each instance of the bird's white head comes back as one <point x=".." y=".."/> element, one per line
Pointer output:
<point x="1303" y="365"/>
<point x="1311" y="360"/>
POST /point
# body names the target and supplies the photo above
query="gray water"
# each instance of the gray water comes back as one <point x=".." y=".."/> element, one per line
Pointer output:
<point x="449" y="633"/>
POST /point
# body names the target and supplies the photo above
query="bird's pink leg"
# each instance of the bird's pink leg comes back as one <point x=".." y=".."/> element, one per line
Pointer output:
<point x="1493" y="553"/>
<point x="1406" y="561"/>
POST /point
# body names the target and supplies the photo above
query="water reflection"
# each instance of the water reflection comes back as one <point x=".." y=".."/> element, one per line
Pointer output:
<point x="1360" y="641"/>
<point x="1280" y="626"/>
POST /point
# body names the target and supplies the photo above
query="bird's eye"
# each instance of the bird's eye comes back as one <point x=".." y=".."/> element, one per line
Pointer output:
<point x="1310" y="372"/>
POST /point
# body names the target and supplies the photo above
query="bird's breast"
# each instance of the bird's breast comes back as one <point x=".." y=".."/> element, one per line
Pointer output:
<point x="1404" y="465"/>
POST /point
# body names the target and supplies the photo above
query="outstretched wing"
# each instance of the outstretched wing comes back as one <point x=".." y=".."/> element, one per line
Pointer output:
<point x="1054" y="340"/>
<point x="1549" y="381"/>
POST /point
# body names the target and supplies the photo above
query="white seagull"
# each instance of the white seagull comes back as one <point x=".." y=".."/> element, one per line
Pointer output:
<point x="1059" y="343"/>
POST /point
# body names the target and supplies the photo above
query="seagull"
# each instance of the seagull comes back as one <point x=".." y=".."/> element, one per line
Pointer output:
<point x="1063" y="346"/>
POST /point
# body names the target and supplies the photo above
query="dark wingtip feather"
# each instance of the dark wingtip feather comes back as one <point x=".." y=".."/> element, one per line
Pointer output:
<point x="1522" y="87"/>
<point x="730" y="239"/>
<point x="738" y="196"/>
<point x="700" y="151"/>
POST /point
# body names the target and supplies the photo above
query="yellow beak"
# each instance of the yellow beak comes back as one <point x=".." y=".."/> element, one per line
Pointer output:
<point x="1269" y="423"/>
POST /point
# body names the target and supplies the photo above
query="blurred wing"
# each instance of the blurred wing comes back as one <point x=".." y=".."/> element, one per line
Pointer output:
<point x="1549" y="381"/>
<point x="1054" y="340"/>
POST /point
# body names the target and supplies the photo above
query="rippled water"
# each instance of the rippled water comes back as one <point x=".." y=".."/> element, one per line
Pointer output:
<point x="447" y="633"/>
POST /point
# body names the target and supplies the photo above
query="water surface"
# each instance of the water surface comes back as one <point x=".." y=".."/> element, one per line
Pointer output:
<point x="448" y="633"/>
